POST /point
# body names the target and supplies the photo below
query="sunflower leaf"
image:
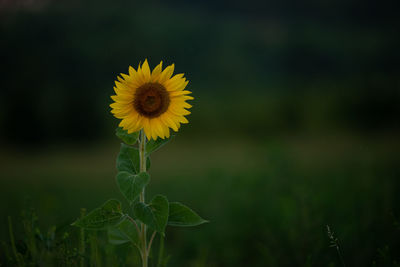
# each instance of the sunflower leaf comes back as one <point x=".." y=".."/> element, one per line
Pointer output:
<point x="128" y="159"/>
<point x="154" y="145"/>
<point x="181" y="215"/>
<point x="124" y="232"/>
<point x="132" y="185"/>
<point x="155" y="214"/>
<point x="109" y="214"/>
<point x="129" y="139"/>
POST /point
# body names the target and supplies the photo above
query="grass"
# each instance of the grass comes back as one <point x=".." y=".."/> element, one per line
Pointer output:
<point x="268" y="201"/>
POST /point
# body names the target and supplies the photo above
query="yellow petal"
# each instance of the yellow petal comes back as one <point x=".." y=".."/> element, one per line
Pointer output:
<point x="118" y="116"/>
<point x="131" y="81"/>
<point x="136" y="127"/>
<point x="134" y="77"/>
<point x="180" y="103"/>
<point x="166" y="119"/>
<point x="182" y="119"/>
<point x="140" y="76"/>
<point x="174" y="118"/>
<point x="156" y="72"/>
<point x="153" y="132"/>
<point x="178" y="93"/>
<point x="132" y="71"/>
<point x="122" y="99"/>
<point x="178" y="110"/>
<point x="175" y="86"/>
<point x="176" y="78"/>
<point x="123" y="88"/>
<point x="146" y="70"/>
<point x="166" y="74"/>
<point x="165" y="130"/>
<point x="182" y="86"/>
<point x="131" y="119"/>
<point x="120" y="92"/>
<point x="157" y="128"/>
<point x="121" y="112"/>
<point x="121" y="106"/>
<point x="187" y="97"/>
<point x="147" y="128"/>
<point x="127" y="122"/>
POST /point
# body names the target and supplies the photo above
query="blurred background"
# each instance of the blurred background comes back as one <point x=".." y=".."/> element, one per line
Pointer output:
<point x="295" y="124"/>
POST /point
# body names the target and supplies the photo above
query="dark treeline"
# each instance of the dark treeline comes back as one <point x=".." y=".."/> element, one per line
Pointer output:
<point x="59" y="61"/>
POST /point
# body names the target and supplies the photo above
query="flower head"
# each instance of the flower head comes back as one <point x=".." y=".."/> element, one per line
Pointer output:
<point x="151" y="100"/>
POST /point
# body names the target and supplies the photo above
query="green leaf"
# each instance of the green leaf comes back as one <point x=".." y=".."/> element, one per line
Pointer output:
<point x="155" y="214"/>
<point x="154" y="145"/>
<point x="181" y="215"/>
<point x="132" y="185"/>
<point x="129" y="139"/>
<point x="128" y="160"/>
<point x="124" y="232"/>
<point x="107" y="215"/>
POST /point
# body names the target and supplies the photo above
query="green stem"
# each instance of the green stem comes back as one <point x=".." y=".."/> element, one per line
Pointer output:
<point x="142" y="156"/>
<point x="161" y="252"/>
<point x="151" y="240"/>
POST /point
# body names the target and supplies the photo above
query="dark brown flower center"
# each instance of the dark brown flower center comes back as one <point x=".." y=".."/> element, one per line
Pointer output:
<point x="151" y="100"/>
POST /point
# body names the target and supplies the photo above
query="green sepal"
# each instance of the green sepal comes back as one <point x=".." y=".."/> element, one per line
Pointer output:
<point x="129" y="139"/>
<point x="154" y="145"/>
<point x="131" y="185"/>
<point x="181" y="215"/>
<point x="128" y="159"/>
<point x="124" y="232"/>
<point x="154" y="214"/>
<point x="109" y="214"/>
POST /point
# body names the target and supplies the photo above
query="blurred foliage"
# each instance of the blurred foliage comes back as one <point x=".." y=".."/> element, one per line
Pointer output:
<point x="268" y="202"/>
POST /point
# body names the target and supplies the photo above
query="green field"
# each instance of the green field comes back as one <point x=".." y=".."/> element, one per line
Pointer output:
<point x="268" y="201"/>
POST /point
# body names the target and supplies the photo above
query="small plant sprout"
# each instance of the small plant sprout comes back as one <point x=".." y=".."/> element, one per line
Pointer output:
<point x="149" y="104"/>
<point x="334" y="243"/>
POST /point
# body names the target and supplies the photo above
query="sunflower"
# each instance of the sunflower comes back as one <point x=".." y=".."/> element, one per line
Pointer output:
<point x="152" y="101"/>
